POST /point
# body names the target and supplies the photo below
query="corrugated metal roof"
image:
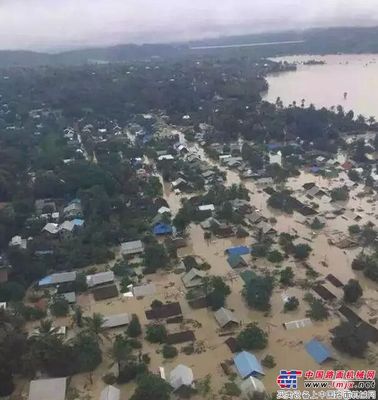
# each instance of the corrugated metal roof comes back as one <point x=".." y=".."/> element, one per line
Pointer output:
<point x="247" y="364"/>
<point x="148" y="289"/>
<point x="250" y="386"/>
<point x="70" y="297"/>
<point x="236" y="261"/>
<point x="238" y="250"/>
<point x="48" y="389"/>
<point x="162" y="229"/>
<point x="113" y="321"/>
<point x="133" y="247"/>
<point x="224" y="317"/>
<point x="317" y="351"/>
<point x="300" y="323"/>
<point x="193" y="278"/>
<point x="181" y="375"/>
<point x="57" y="278"/>
<point x="110" y="393"/>
<point x="100" y="278"/>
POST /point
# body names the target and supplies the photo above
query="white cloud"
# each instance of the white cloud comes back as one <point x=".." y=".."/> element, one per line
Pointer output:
<point x="41" y="24"/>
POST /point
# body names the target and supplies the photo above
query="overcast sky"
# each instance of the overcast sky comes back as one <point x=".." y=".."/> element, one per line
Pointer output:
<point x="61" y="24"/>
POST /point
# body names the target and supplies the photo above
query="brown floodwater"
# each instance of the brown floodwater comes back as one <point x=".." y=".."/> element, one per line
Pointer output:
<point x="325" y="85"/>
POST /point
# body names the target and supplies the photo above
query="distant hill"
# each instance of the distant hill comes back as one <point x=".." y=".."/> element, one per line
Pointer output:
<point x="315" y="41"/>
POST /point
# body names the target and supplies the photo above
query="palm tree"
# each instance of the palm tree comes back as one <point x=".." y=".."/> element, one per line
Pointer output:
<point x="46" y="330"/>
<point x="121" y="350"/>
<point x="371" y="120"/>
<point x="95" y="326"/>
<point x="78" y="316"/>
<point x="361" y="119"/>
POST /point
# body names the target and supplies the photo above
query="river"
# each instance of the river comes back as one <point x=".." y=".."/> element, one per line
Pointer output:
<point x="324" y="85"/>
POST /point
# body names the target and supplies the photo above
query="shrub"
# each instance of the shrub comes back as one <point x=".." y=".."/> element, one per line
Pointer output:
<point x="291" y="304"/>
<point x="275" y="257"/>
<point x="188" y="350"/>
<point x="354" y="229"/>
<point x="169" y="351"/>
<point x="231" y="389"/>
<point x="268" y="361"/>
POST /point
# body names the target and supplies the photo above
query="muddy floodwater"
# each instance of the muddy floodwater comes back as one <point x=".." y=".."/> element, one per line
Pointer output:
<point x="325" y="85"/>
<point x="324" y="258"/>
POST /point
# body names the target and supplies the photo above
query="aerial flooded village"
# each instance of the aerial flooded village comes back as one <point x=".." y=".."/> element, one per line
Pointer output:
<point x="167" y="234"/>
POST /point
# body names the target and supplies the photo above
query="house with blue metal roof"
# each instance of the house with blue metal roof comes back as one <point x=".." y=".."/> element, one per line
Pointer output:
<point x="318" y="351"/>
<point x="57" y="278"/>
<point x="162" y="229"/>
<point x="238" y="250"/>
<point x="247" y="365"/>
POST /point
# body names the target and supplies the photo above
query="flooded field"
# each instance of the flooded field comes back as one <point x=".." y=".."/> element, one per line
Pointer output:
<point x="325" y="85"/>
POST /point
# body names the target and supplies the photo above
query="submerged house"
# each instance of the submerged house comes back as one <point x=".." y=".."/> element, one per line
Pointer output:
<point x="251" y="387"/>
<point x="100" y="278"/>
<point x="236" y="261"/>
<point x="48" y="389"/>
<point x="181" y="376"/>
<point x="132" y="248"/>
<point x="247" y="365"/>
<point x="238" y="250"/>
<point x="193" y="278"/>
<point x="57" y="279"/>
<point x="115" y="321"/>
<point x="110" y="393"/>
<point x="162" y="229"/>
<point x="318" y="351"/>
<point x="226" y="319"/>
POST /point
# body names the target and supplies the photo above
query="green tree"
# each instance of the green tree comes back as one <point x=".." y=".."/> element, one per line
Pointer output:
<point x="156" y="333"/>
<point x="148" y="384"/>
<point x="316" y="224"/>
<point x="368" y="236"/>
<point x="59" y="307"/>
<point x="286" y="242"/>
<point x="94" y="326"/>
<point x="301" y="251"/>
<point x="318" y="311"/>
<point x="155" y="256"/>
<point x="347" y="339"/>
<point x="354" y="229"/>
<point x="78" y="316"/>
<point x="80" y="285"/>
<point x="291" y="304"/>
<point x="352" y="291"/>
<point x="252" y="338"/>
<point x="217" y="291"/>
<point x="258" y="292"/>
<point x="275" y="257"/>
<point x="287" y="276"/>
<point x="340" y="194"/>
<point x="88" y="353"/>
<point x="121" y="349"/>
<point x="134" y="329"/>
